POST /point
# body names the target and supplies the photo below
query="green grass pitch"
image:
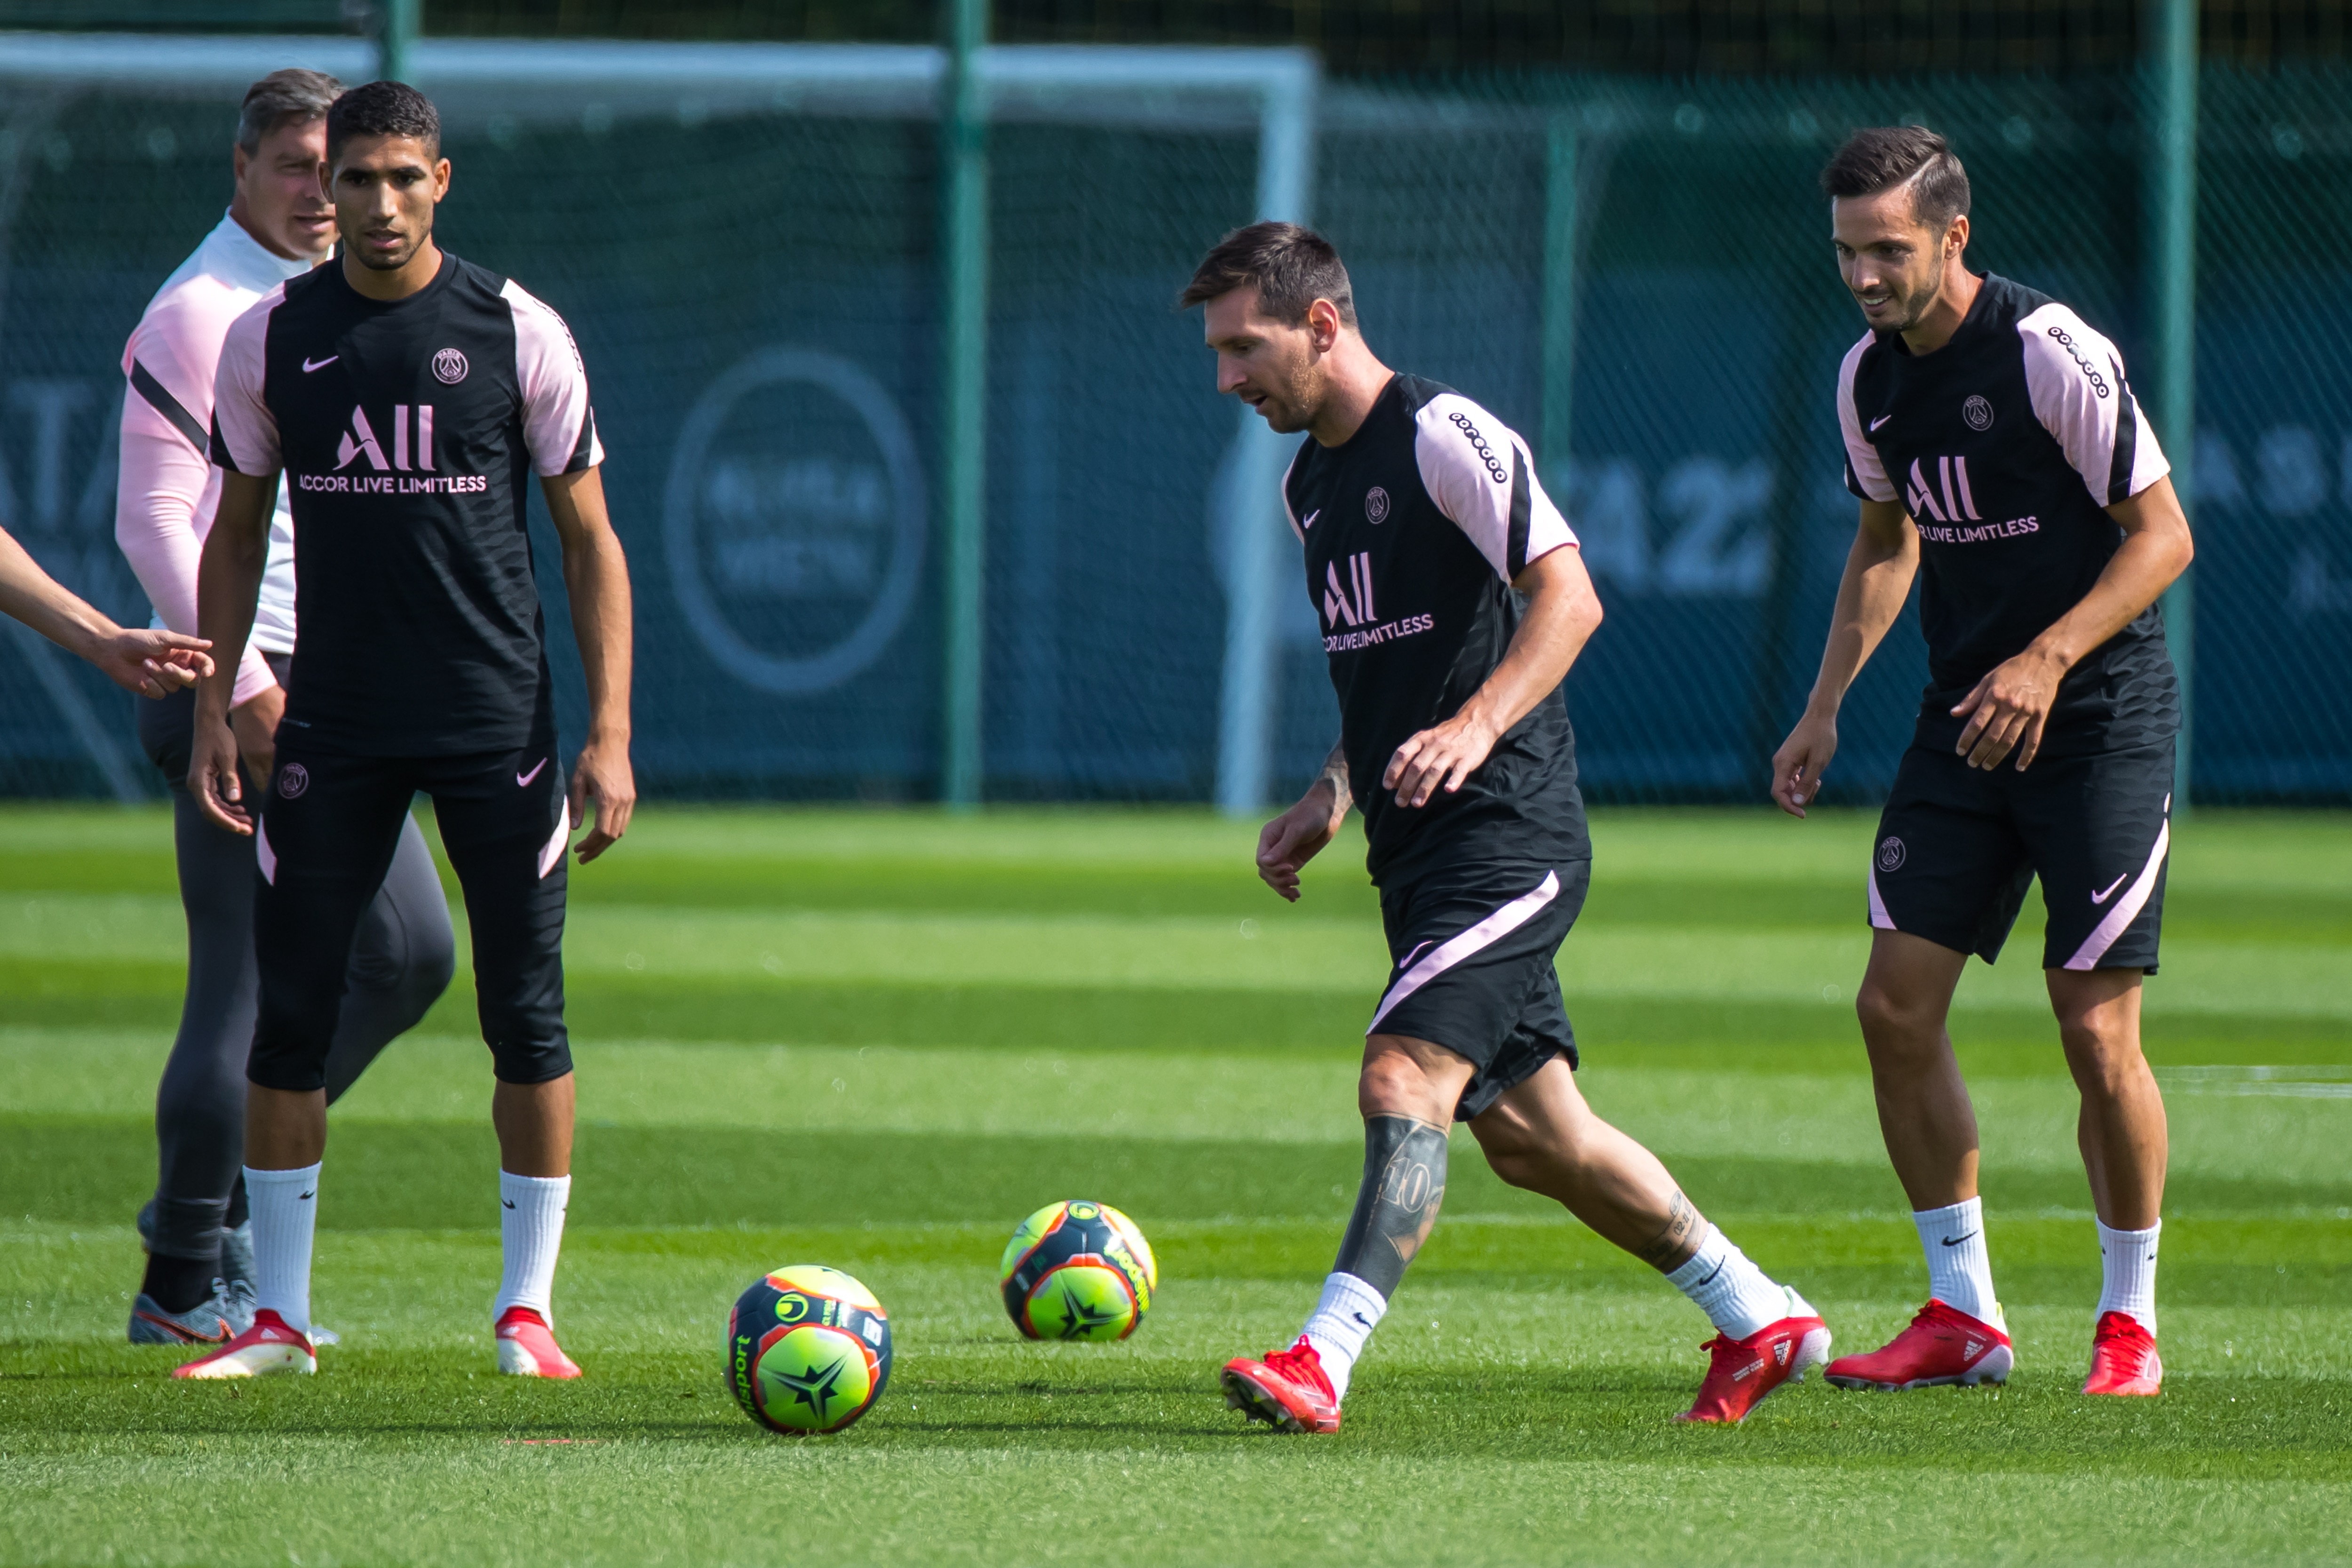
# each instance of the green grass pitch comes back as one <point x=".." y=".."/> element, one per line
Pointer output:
<point x="877" y="1040"/>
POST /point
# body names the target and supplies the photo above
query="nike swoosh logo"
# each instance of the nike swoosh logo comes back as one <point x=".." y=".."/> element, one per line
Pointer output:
<point x="1877" y="422"/>
<point x="1362" y="1318"/>
<point x="509" y="1202"/>
<point x="522" y="781"/>
<point x="310" y="365"/>
<point x="1311" y="519"/>
<point x="1956" y="1240"/>
<point x="2103" y="898"/>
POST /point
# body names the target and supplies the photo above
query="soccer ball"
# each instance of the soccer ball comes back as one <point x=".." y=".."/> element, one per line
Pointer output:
<point x="808" y="1350"/>
<point x="1077" y="1270"/>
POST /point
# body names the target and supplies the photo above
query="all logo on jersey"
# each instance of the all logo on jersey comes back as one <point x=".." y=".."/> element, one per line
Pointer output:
<point x="1978" y="412"/>
<point x="1944" y="498"/>
<point x="402" y="465"/>
<point x="1350" y="614"/>
<point x="292" y="780"/>
<point x="1891" y="853"/>
<point x="1376" y="504"/>
<point x="449" y="367"/>
<point x="360" y="441"/>
<point x="1352" y="605"/>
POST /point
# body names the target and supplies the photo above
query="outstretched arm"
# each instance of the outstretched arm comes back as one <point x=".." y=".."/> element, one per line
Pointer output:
<point x="152" y="662"/>
<point x="155" y="663"/>
<point x="1878" y="573"/>
<point x="1563" y="612"/>
<point x="596" y="575"/>
<point x="2009" y="707"/>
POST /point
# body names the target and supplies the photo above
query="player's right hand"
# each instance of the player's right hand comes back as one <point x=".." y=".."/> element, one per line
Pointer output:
<point x="1804" y="757"/>
<point x="1292" y="839"/>
<point x="212" y="782"/>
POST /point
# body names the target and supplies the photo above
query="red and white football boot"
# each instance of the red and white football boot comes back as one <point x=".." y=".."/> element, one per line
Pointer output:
<point x="1943" y="1345"/>
<point x="1740" y="1373"/>
<point x="271" y="1344"/>
<point x="2124" y="1358"/>
<point x="1288" y="1390"/>
<point x="527" y="1346"/>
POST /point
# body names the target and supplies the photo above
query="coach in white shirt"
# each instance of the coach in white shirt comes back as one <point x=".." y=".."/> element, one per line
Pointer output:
<point x="279" y="224"/>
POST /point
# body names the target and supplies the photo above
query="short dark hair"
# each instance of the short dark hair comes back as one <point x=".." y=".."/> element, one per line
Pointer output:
<point x="382" y="108"/>
<point x="1879" y="157"/>
<point x="1292" y="267"/>
<point x="291" y="97"/>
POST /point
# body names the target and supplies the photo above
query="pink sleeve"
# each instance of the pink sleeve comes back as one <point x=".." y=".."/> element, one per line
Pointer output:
<point x="557" y="424"/>
<point x="162" y="508"/>
<point x="243" y="433"/>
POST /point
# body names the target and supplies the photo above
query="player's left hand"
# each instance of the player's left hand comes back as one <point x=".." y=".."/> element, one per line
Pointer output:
<point x="1444" y="754"/>
<point x="2007" y="710"/>
<point x="153" y="663"/>
<point x="603" y="774"/>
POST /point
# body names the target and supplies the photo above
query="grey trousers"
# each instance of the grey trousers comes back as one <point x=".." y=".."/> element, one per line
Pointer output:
<point x="401" y="961"/>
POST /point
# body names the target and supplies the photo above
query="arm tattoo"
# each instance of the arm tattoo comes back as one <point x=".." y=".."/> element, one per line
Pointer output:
<point x="1335" y="773"/>
<point x="1671" y="1247"/>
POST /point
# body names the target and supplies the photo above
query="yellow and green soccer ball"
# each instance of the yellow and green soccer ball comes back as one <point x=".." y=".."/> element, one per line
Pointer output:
<point x="1077" y="1270"/>
<point x="808" y="1350"/>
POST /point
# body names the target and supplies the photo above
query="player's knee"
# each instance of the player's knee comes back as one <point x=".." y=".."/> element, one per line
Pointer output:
<point x="1394" y="1084"/>
<point x="2103" y="1061"/>
<point x="1893" y="1022"/>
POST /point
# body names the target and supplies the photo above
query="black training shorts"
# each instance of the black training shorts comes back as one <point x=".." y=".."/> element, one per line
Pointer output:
<point x="1471" y="954"/>
<point x="323" y="849"/>
<point x="1958" y="845"/>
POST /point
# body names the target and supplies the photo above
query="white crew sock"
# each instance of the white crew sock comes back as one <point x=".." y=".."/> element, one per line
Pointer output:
<point x="284" y="1221"/>
<point x="1738" y="1298"/>
<point x="1342" y="1325"/>
<point x="2127" y="1259"/>
<point x="1959" y="1269"/>
<point x="531" y="1228"/>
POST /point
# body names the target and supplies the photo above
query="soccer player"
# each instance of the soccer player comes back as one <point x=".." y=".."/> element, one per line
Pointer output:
<point x="406" y="395"/>
<point x="1454" y="600"/>
<point x="2000" y="456"/>
<point x="198" y="1287"/>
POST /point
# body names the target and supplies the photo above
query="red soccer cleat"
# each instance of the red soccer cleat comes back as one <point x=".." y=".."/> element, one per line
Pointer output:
<point x="2124" y="1358"/>
<point x="527" y="1346"/>
<point x="271" y="1344"/>
<point x="1288" y="1390"/>
<point x="1740" y="1373"/>
<point x="1942" y="1345"/>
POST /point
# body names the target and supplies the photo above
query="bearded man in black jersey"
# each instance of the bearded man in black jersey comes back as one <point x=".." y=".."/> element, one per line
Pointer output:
<point x="1453" y="598"/>
<point x="407" y="397"/>
<point x="2000" y="456"/>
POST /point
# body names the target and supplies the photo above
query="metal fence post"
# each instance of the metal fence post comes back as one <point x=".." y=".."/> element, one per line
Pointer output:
<point x="964" y="428"/>
<point x="2175" y="255"/>
<point x="397" y="23"/>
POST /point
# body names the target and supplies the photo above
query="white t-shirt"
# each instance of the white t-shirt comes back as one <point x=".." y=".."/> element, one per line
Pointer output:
<point x="169" y="492"/>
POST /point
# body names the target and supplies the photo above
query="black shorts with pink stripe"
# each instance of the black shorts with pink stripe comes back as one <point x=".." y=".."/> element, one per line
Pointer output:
<point x="324" y="844"/>
<point x="1471" y="952"/>
<point x="1958" y="846"/>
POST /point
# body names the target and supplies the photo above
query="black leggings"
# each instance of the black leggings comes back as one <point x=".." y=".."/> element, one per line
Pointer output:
<point x="400" y="963"/>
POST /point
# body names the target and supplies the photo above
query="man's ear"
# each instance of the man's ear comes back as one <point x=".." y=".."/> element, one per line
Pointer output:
<point x="1323" y="324"/>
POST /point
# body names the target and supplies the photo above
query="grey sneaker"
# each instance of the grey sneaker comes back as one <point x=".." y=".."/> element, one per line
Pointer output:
<point x="206" y="1323"/>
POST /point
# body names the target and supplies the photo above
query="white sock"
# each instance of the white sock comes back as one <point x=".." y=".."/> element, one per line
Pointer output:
<point x="2127" y="1259"/>
<point x="1959" y="1269"/>
<point x="1342" y="1325"/>
<point x="530" y="1227"/>
<point x="1738" y="1298"/>
<point x="285" y="1222"/>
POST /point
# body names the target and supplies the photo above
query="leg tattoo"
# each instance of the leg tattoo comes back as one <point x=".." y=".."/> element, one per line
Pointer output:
<point x="1676" y="1240"/>
<point x="1404" y="1180"/>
